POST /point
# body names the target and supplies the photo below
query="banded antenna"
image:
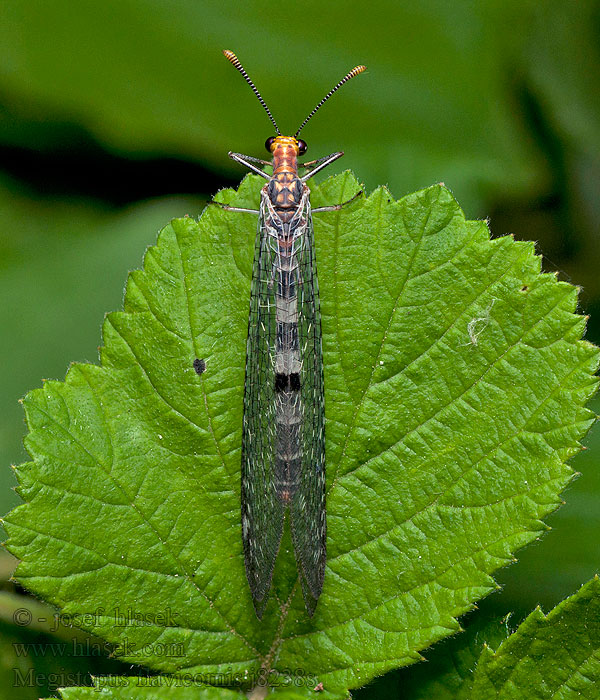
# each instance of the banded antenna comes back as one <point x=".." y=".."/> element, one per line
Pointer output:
<point x="233" y="59"/>
<point x="354" y="72"/>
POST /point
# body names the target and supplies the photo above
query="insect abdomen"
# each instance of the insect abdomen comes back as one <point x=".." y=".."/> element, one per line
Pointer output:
<point x="288" y="363"/>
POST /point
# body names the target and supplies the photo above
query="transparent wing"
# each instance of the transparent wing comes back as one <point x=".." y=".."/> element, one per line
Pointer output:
<point x="307" y="505"/>
<point x="262" y="510"/>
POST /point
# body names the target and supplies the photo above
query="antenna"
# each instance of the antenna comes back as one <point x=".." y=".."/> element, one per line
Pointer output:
<point x="232" y="58"/>
<point x="354" y="72"/>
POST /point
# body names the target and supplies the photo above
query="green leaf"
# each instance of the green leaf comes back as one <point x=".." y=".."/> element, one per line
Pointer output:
<point x="549" y="656"/>
<point x="183" y="688"/>
<point x="549" y="571"/>
<point x="153" y="688"/>
<point x="448" y="672"/>
<point x="455" y="379"/>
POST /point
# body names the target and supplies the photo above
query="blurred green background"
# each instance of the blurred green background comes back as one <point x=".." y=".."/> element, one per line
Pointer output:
<point x="116" y="116"/>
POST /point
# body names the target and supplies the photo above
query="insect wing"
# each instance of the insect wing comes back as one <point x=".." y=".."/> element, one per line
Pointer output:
<point x="262" y="510"/>
<point x="307" y="506"/>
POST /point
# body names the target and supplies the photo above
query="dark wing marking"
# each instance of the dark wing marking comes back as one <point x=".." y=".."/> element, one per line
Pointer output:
<point x="307" y="506"/>
<point x="262" y="510"/>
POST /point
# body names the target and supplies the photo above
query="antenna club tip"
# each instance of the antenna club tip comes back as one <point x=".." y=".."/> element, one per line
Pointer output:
<point x="229" y="55"/>
<point x="358" y="70"/>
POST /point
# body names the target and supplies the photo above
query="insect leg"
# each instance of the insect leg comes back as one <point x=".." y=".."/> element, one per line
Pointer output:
<point x="251" y="158"/>
<point x="226" y="207"/>
<point x="311" y="164"/>
<point x="248" y="161"/>
<point x="337" y="207"/>
<point x="323" y="163"/>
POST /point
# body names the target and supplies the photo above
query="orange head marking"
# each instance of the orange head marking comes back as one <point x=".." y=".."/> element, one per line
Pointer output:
<point x="276" y="143"/>
<point x="284" y="144"/>
<point x="285" y="151"/>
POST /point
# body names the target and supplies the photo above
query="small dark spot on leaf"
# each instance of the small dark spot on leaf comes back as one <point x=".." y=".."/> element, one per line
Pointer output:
<point x="199" y="366"/>
<point x="525" y="288"/>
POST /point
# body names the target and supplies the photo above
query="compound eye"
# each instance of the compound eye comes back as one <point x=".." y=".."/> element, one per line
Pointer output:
<point x="269" y="143"/>
<point x="302" y="147"/>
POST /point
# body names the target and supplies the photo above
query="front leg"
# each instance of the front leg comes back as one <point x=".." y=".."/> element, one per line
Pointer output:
<point x="249" y="161"/>
<point x="320" y="164"/>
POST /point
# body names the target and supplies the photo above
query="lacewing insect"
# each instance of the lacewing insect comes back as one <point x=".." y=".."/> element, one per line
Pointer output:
<point x="283" y="439"/>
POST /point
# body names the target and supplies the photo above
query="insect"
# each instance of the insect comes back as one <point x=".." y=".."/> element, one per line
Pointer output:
<point x="283" y="439"/>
